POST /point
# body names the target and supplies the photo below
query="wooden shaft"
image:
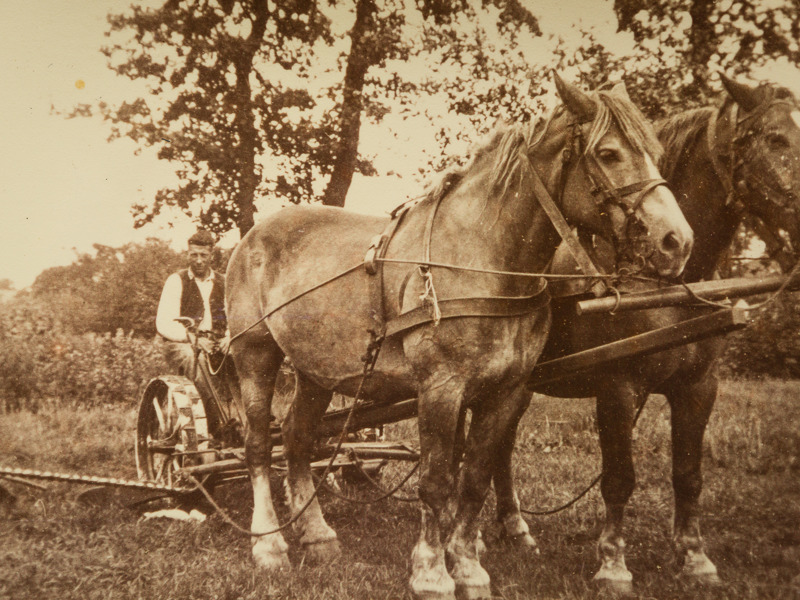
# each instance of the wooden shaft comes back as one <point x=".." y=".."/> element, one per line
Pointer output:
<point x="658" y="340"/>
<point x="718" y="289"/>
<point x="369" y="414"/>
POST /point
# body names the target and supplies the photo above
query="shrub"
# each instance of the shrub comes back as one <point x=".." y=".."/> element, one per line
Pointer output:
<point x="44" y="362"/>
<point x="770" y="345"/>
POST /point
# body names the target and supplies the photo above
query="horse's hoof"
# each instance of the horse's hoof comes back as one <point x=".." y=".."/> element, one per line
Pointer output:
<point x="615" y="587"/>
<point x="472" y="580"/>
<point x="705" y="579"/>
<point x="699" y="568"/>
<point x="432" y="584"/>
<point x="615" y="579"/>
<point x="271" y="553"/>
<point x="710" y="579"/>
<point x="322" y="552"/>
<point x="525" y="541"/>
<point x="473" y="592"/>
<point x="433" y="590"/>
<point x="271" y="561"/>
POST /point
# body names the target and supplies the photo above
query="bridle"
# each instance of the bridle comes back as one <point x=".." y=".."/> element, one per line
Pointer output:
<point x="634" y="248"/>
<point x="732" y="152"/>
<point x="728" y="161"/>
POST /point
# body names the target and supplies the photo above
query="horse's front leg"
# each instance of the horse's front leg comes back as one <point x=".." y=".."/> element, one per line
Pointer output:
<point x="440" y="400"/>
<point x="508" y="509"/>
<point x="492" y="422"/>
<point x="299" y="427"/>
<point x="691" y="407"/>
<point x="257" y="363"/>
<point x="615" y="412"/>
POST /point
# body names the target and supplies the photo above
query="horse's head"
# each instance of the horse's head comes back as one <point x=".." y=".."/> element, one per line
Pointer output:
<point x="610" y="153"/>
<point x="763" y="154"/>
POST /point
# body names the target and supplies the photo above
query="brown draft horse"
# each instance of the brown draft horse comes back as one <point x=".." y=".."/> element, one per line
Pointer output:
<point x="743" y="157"/>
<point x="298" y="286"/>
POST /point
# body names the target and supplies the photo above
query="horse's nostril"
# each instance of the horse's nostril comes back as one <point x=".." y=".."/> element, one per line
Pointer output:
<point x="671" y="243"/>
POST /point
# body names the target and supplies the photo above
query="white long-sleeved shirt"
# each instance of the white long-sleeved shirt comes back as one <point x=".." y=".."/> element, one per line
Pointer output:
<point x="169" y="306"/>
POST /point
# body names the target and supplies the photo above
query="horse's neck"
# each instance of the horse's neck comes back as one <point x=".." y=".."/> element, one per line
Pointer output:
<point x="703" y="199"/>
<point x="505" y="231"/>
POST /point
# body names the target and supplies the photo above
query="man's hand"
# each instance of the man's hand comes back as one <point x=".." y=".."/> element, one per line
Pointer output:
<point x="224" y="343"/>
<point x="206" y="345"/>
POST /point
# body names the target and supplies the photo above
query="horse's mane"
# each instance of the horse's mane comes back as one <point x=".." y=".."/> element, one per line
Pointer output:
<point x="505" y="143"/>
<point x="678" y="133"/>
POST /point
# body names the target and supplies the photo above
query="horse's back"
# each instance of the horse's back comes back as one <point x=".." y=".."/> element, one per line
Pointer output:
<point x="303" y="268"/>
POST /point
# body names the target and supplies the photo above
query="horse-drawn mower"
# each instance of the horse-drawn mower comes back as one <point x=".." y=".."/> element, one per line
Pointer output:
<point x="174" y="446"/>
<point x="173" y="439"/>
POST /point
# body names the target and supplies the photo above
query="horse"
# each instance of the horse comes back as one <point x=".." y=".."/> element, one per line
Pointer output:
<point x="444" y="302"/>
<point x="723" y="163"/>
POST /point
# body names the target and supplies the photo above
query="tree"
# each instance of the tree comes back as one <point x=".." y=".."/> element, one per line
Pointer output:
<point x="682" y="44"/>
<point x="240" y="96"/>
<point x="114" y="288"/>
<point x="218" y="102"/>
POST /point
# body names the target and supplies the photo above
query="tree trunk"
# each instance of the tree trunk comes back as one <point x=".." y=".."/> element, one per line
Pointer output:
<point x="703" y="45"/>
<point x="358" y="62"/>
<point x="244" y="122"/>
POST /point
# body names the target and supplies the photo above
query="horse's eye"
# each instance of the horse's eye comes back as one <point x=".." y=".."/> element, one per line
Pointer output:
<point x="608" y="156"/>
<point x="777" y="141"/>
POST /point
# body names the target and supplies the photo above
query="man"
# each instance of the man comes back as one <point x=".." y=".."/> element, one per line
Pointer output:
<point x="198" y="293"/>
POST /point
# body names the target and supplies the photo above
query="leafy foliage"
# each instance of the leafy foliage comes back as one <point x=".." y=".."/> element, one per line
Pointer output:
<point x="114" y="288"/>
<point x="770" y="345"/>
<point x="44" y="363"/>
<point x="679" y="46"/>
<point x="251" y="99"/>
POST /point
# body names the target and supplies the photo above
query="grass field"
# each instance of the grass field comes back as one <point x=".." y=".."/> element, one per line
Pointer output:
<point x="51" y="546"/>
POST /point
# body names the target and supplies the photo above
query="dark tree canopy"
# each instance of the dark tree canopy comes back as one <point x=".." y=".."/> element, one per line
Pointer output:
<point x="253" y="99"/>
<point x="110" y="289"/>
<point x="257" y="101"/>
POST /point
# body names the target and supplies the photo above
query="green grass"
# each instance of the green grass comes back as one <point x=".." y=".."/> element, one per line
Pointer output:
<point x="53" y="546"/>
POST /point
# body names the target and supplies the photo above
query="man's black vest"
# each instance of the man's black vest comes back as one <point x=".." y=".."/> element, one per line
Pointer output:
<point x="192" y="301"/>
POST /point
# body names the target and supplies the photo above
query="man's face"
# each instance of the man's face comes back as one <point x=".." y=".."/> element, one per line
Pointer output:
<point x="200" y="260"/>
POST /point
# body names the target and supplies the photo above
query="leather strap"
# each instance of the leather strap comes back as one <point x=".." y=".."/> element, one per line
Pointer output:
<point x="492" y="306"/>
<point x="564" y="230"/>
<point x="374" y="268"/>
<point x="725" y="177"/>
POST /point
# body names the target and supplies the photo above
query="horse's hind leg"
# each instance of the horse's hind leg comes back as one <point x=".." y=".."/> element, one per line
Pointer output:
<point x="508" y="509"/>
<point x="299" y="427"/>
<point x="691" y="407"/>
<point x="257" y="360"/>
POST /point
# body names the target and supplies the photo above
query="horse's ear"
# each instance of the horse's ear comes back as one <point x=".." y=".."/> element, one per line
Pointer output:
<point x="620" y="90"/>
<point x="744" y="95"/>
<point x="576" y="101"/>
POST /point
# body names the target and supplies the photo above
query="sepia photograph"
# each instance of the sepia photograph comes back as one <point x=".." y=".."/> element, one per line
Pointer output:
<point x="400" y="299"/>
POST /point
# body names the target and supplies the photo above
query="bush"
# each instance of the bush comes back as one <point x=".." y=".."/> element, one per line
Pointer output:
<point x="45" y="363"/>
<point x="770" y="345"/>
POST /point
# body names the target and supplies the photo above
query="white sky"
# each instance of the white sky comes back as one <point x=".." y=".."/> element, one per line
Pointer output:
<point x="63" y="186"/>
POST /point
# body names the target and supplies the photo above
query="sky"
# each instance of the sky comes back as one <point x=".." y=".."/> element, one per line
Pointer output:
<point x="64" y="187"/>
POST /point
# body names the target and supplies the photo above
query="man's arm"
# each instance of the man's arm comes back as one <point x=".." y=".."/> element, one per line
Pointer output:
<point x="169" y="309"/>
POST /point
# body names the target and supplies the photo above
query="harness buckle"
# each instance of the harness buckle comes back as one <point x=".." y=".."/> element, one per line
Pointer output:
<point x="372" y="254"/>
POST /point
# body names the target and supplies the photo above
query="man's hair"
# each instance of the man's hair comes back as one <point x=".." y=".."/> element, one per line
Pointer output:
<point x="202" y="238"/>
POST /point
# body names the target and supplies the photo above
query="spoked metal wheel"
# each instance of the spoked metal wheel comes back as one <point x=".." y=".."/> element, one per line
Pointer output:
<point x="171" y="430"/>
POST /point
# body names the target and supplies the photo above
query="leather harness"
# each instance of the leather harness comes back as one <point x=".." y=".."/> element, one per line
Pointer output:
<point x="489" y="306"/>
